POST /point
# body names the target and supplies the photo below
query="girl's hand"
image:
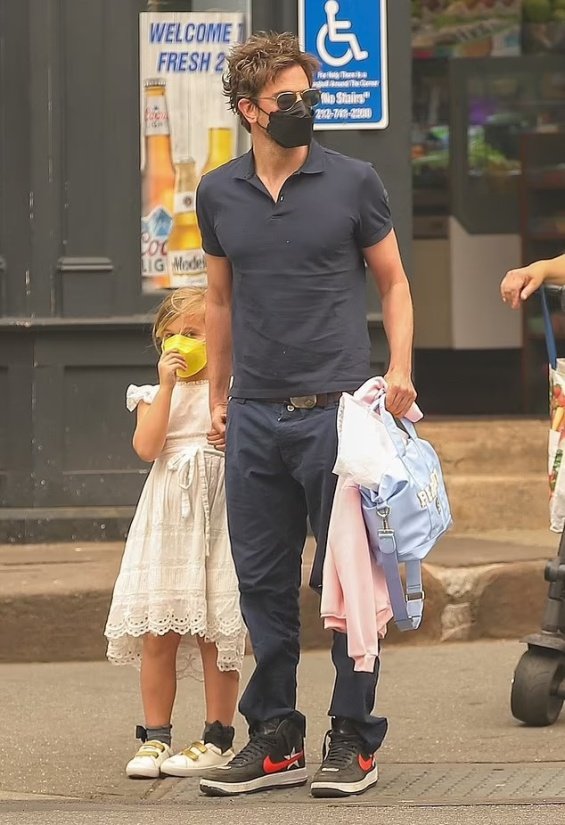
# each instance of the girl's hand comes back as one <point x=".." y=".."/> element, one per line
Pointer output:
<point x="169" y="363"/>
<point x="217" y="435"/>
<point x="219" y="413"/>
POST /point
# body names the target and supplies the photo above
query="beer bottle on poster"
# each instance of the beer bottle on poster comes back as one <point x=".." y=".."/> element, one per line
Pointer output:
<point x="220" y="148"/>
<point x="157" y="188"/>
<point x="186" y="261"/>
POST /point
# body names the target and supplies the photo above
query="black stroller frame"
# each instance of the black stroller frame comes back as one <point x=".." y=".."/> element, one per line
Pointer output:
<point x="538" y="687"/>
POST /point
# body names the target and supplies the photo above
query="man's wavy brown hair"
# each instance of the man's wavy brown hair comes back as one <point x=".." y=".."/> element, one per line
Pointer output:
<point x="253" y="64"/>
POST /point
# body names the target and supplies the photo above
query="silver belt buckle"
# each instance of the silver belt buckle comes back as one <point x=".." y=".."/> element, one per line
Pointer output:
<point x="304" y="402"/>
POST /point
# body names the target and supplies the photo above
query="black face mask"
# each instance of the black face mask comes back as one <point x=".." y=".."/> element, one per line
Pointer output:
<point x="293" y="128"/>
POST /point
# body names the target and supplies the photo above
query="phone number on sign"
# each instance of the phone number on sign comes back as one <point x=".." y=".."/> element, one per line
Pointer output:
<point x="344" y="114"/>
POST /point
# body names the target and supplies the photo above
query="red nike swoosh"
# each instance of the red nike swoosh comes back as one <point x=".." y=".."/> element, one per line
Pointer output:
<point x="273" y="767"/>
<point x="366" y="764"/>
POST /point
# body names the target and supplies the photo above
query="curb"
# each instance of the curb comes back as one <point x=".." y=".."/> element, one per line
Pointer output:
<point x="491" y="601"/>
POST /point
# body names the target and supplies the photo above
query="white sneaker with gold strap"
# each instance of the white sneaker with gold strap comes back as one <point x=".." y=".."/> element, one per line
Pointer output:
<point x="196" y="758"/>
<point x="147" y="762"/>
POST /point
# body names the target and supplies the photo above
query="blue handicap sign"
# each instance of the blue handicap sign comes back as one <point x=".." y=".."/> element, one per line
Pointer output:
<point x="349" y="39"/>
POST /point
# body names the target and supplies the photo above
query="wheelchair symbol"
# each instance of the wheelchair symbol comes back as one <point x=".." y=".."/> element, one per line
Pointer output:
<point x="336" y="31"/>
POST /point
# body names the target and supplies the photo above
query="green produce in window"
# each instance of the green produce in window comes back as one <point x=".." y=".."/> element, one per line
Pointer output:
<point x="537" y="11"/>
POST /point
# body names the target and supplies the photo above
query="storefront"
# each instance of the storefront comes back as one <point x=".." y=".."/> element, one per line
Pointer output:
<point x="74" y="311"/>
<point x="488" y="160"/>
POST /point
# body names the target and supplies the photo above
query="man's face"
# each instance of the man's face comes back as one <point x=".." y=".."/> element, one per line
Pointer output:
<point x="293" y="79"/>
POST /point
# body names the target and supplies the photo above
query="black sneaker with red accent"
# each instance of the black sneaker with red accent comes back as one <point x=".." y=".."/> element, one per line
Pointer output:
<point x="347" y="768"/>
<point x="273" y="758"/>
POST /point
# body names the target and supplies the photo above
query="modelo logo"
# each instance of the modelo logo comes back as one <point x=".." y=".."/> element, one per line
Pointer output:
<point x="186" y="263"/>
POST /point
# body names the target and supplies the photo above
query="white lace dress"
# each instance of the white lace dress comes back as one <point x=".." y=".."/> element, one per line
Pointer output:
<point x="177" y="571"/>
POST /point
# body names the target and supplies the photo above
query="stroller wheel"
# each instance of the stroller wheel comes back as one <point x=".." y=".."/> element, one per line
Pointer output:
<point x="535" y="697"/>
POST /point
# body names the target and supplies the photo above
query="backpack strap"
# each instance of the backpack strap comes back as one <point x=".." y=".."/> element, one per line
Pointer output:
<point x="407" y="607"/>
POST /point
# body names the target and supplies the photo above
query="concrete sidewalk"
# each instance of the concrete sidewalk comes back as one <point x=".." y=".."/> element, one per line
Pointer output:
<point x="54" y="598"/>
<point x="451" y="741"/>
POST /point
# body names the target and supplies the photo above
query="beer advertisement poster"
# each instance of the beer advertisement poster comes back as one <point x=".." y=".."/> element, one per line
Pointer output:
<point x="186" y="131"/>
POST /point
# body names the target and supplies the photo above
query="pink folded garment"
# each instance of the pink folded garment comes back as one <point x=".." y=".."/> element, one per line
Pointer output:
<point x="354" y="593"/>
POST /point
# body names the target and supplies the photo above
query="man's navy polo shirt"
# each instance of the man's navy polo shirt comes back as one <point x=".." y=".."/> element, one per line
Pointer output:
<point x="299" y="321"/>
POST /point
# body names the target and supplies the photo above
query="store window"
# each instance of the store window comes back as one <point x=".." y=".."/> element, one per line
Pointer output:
<point x="501" y="108"/>
<point x="498" y="102"/>
<point x="430" y="147"/>
<point x="469" y="120"/>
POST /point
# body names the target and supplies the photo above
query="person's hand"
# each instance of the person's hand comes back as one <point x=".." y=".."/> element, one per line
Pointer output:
<point x="169" y="363"/>
<point x="219" y="416"/>
<point x="217" y="440"/>
<point x="518" y="284"/>
<point x="400" y="394"/>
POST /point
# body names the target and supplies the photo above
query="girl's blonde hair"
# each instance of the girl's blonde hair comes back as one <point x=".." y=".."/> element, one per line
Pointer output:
<point x="185" y="301"/>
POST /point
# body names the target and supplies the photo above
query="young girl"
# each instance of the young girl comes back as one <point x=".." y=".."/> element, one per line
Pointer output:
<point x="175" y="609"/>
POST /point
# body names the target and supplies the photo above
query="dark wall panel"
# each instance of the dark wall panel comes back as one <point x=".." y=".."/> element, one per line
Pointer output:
<point x="4" y="433"/>
<point x="16" y="417"/>
<point x="15" y="187"/>
<point x="102" y="182"/>
<point x="85" y="435"/>
<point x="83" y="72"/>
<point x="98" y="428"/>
<point x="47" y="146"/>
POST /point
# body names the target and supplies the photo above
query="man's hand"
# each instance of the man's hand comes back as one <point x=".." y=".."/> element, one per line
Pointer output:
<point x="400" y="394"/>
<point x="216" y="440"/>
<point x="217" y="435"/>
<point x="518" y="284"/>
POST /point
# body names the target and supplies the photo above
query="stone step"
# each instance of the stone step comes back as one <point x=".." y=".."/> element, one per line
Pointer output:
<point x="54" y="599"/>
<point x="495" y="502"/>
<point x="489" y="446"/>
<point x="495" y="470"/>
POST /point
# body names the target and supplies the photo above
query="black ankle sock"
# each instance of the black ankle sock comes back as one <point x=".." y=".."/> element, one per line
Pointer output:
<point x="161" y="734"/>
<point x="219" y="735"/>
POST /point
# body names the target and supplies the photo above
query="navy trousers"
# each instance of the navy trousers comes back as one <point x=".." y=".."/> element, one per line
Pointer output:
<point x="279" y="462"/>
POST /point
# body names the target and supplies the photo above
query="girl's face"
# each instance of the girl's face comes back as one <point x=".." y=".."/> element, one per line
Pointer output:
<point x="190" y="325"/>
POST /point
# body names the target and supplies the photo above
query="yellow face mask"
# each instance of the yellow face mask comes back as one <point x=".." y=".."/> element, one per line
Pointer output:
<point x="193" y="350"/>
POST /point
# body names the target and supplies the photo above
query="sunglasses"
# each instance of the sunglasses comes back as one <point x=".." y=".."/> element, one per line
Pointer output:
<point x="286" y="100"/>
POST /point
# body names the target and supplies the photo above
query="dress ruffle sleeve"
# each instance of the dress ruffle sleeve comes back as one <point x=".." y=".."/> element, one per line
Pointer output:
<point x="135" y="394"/>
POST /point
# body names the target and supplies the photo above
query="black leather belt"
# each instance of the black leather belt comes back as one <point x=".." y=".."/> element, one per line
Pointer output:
<point x="306" y="402"/>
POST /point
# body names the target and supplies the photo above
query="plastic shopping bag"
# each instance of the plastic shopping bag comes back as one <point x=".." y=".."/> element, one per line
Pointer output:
<point x="556" y="465"/>
<point x="364" y="447"/>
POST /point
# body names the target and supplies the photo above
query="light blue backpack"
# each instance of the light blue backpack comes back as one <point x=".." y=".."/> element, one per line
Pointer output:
<point x="405" y="516"/>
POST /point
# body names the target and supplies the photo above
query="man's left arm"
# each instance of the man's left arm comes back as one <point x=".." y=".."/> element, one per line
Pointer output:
<point x="385" y="263"/>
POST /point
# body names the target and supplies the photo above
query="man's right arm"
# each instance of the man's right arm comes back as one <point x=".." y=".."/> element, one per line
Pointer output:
<point x="218" y="307"/>
<point x="218" y="337"/>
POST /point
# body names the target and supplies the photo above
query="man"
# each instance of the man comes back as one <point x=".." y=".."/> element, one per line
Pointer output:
<point x="287" y="229"/>
<point x="518" y="284"/>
